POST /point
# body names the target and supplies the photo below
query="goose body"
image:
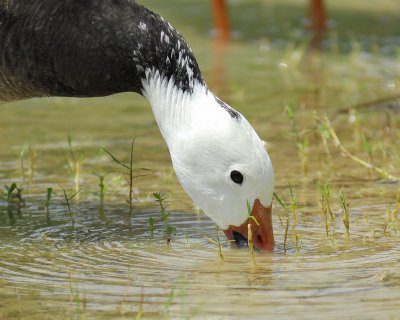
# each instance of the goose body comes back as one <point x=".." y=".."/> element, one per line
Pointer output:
<point x="88" y="48"/>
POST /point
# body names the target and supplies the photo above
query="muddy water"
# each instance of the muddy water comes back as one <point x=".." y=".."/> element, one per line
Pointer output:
<point x="102" y="264"/>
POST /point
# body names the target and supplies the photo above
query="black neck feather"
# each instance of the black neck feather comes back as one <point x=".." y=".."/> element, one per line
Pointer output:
<point x="86" y="48"/>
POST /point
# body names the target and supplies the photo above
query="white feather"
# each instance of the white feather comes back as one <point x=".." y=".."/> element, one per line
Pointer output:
<point x="206" y="143"/>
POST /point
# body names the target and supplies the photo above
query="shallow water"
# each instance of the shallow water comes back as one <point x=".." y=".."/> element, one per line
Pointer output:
<point x="105" y="265"/>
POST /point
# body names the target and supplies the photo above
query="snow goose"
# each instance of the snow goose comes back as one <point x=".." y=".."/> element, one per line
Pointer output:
<point x="94" y="48"/>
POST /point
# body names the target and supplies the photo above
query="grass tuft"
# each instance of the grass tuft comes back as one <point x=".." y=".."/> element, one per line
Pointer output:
<point x="169" y="230"/>
<point x="74" y="159"/>
<point x="14" y="193"/>
<point x="337" y="143"/>
<point x="301" y="142"/>
<point x="346" y="215"/>
<point x="67" y="202"/>
<point x="325" y="190"/>
<point x="130" y="172"/>
<point x="250" y="232"/>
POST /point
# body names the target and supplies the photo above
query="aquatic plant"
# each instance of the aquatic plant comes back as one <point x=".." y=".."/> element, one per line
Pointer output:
<point x="298" y="244"/>
<point x="67" y="203"/>
<point x="217" y="243"/>
<point x="291" y="206"/>
<point x="26" y="149"/>
<point x="367" y="146"/>
<point x="219" y="246"/>
<point x="13" y="191"/>
<point x="325" y="190"/>
<point x="139" y="314"/>
<point x="14" y="196"/>
<point x="392" y="217"/>
<point x="130" y="172"/>
<point x="49" y="193"/>
<point x="286" y="233"/>
<point x="160" y="198"/>
<point x="80" y="305"/>
<point x="322" y="132"/>
<point x="280" y="201"/>
<point x="74" y="159"/>
<point x="346" y="216"/>
<point x="9" y="190"/>
<point x="152" y="226"/>
<point x="284" y="206"/>
<point x="301" y="143"/>
<point x="32" y="155"/>
<point x="325" y="210"/>
<point x="21" y="164"/>
<point x="325" y="218"/>
<point x="170" y="299"/>
<point x="250" y="232"/>
<point x="250" y="242"/>
<point x="250" y="217"/>
<point x="337" y="143"/>
<point x="101" y="185"/>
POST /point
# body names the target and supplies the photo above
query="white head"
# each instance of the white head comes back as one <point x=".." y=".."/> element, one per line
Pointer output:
<point x="217" y="156"/>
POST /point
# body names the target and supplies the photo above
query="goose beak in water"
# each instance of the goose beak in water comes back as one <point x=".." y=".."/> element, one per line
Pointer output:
<point x="262" y="233"/>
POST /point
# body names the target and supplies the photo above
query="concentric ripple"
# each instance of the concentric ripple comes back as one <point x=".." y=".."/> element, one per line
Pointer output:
<point x="104" y="264"/>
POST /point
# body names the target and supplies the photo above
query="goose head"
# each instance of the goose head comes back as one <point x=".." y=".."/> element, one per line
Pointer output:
<point x="218" y="158"/>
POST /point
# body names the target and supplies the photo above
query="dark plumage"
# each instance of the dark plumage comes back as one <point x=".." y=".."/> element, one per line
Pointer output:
<point x="86" y="48"/>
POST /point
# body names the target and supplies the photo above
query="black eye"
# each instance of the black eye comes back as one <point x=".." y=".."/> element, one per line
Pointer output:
<point x="236" y="177"/>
